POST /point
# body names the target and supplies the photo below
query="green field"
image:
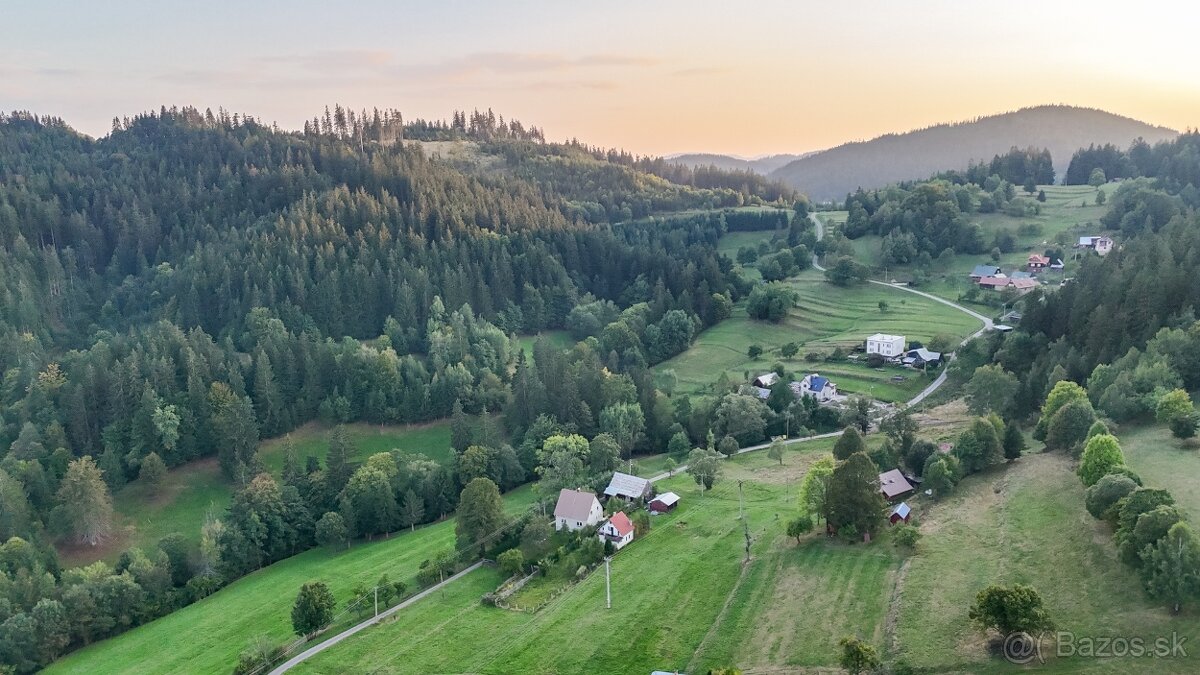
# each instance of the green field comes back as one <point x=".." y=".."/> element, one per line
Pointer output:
<point x="206" y="637"/>
<point x="192" y="490"/>
<point x="1161" y="461"/>
<point x="825" y="317"/>
<point x="558" y="338"/>
<point x="683" y="601"/>
<point x="1063" y="219"/>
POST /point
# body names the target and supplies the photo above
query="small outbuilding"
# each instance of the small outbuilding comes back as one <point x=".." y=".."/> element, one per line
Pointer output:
<point x="664" y="503"/>
<point x="899" y="513"/>
<point x="766" y="380"/>
<point x="628" y="487"/>
<point x="617" y="530"/>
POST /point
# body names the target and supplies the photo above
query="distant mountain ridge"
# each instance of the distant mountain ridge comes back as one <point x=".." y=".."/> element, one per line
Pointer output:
<point x="1062" y="129"/>
<point x="763" y="165"/>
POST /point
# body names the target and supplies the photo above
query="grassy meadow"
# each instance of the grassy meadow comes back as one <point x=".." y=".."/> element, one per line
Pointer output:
<point x="206" y="637"/>
<point x="1064" y="218"/>
<point x="825" y="317"/>
<point x="190" y="491"/>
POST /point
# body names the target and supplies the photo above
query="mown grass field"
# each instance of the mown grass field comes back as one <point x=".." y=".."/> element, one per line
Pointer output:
<point x="825" y="317"/>
<point x="682" y="599"/>
<point x="1064" y="217"/>
<point x="207" y="637"/>
<point x="190" y="491"/>
<point x="558" y="338"/>
<point x="1163" y="461"/>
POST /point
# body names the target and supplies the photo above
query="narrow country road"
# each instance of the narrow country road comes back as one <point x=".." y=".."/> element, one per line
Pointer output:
<point x="316" y="649"/>
<point x="941" y="379"/>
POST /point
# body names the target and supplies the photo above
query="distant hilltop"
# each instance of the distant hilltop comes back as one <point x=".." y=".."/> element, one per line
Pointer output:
<point x="830" y="174"/>
<point x="762" y="165"/>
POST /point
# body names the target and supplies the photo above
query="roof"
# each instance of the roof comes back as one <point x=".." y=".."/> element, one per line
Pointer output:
<point x="894" y="483"/>
<point x="1022" y="284"/>
<point x="998" y="282"/>
<point x="764" y="394"/>
<point x="985" y="271"/>
<point x="881" y="337"/>
<point x="1039" y="259"/>
<point x="621" y="523"/>
<point x="1086" y="241"/>
<point x="902" y="509"/>
<point x="574" y="505"/>
<point x="625" y="485"/>
<point x="667" y="498"/>
<point x="924" y="354"/>
<point x="767" y="379"/>
<point x="1100" y="239"/>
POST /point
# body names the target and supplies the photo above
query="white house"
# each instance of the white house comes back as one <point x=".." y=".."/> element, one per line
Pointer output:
<point x="1101" y="245"/>
<point x="887" y="346"/>
<point x="618" y="530"/>
<point x="576" y="510"/>
<point x="820" y="388"/>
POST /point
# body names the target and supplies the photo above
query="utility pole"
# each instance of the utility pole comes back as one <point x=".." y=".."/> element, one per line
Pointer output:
<point x="745" y="522"/>
<point x="741" y="508"/>
<point x="376" y="602"/>
<point x="607" y="585"/>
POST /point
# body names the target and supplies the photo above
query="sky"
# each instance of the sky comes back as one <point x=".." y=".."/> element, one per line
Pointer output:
<point x="650" y="77"/>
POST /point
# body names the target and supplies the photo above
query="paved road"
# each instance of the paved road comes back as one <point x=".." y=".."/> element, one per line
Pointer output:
<point x="313" y="651"/>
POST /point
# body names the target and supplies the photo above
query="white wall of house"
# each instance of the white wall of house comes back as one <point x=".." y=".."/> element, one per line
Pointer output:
<point x="885" y="345"/>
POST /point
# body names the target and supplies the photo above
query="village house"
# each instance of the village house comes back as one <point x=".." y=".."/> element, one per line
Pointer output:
<point x="887" y="346"/>
<point x="576" y="510"/>
<point x="820" y="388"/>
<point x="982" y="271"/>
<point x="766" y="380"/>
<point x="628" y="487"/>
<point x="1037" y="262"/>
<point x="899" y="513"/>
<point x="1021" y="285"/>
<point x="921" y="357"/>
<point x="664" y="503"/>
<point x="1101" y="245"/>
<point x="617" y="530"/>
<point x="893" y="485"/>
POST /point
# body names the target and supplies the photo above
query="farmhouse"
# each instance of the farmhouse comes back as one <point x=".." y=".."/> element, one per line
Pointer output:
<point x="1023" y="286"/>
<point x="921" y="357"/>
<point x="888" y="346"/>
<point x="1038" y="262"/>
<point x="628" y="487"/>
<point x="617" y="530"/>
<point x="893" y="485"/>
<point x="982" y="271"/>
<point x="994" y="283"/>
<point x="1101" y="245"/>
<point x="1021" y="275"/>
<point x="766" y="380"/>
<point x="576" y="510"/>
<point x="899" y="513"/>
<point x="820" y="388"/>
<point x="664" y="503"/>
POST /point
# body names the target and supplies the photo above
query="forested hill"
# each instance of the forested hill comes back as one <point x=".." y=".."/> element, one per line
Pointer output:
<point x="760" y="165"/>
<point x="918" y="154"/>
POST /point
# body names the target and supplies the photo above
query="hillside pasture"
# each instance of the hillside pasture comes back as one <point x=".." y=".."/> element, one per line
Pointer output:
<point x="192" y="490"/>
<point x="206" y="637"/>
<point x="825" y="317"/>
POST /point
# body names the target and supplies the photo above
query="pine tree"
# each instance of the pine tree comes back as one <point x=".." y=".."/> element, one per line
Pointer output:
<point x="84" y="505"/>
<point x="461" y="432"/>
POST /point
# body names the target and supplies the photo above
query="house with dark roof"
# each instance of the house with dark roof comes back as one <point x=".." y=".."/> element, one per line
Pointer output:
<point x="820" y="388"/>
<point x="982" y="271"/>
<point x="576" y="510"/>
<point x="766" y="380"/>
<point x="921" y="357"/>
<point x="893" y="485"/>
<point x="617" y="530"/>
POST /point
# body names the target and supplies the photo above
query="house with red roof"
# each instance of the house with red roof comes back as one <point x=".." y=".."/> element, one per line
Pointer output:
<point x="617" y="530"/>
<point x="1038" y="262"/>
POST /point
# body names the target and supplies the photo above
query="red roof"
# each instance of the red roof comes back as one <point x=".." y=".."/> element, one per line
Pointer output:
<point x="998" y="282"/>
<point x="1023" y="284"/>
<point x="621" y="523"/>
<point x="1039" y="259"/>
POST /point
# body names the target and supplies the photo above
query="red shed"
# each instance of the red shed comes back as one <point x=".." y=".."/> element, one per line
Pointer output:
<point x="664" y="503"/>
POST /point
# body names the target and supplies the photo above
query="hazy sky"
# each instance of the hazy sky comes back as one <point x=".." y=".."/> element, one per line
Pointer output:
<point x="651" y="77"/>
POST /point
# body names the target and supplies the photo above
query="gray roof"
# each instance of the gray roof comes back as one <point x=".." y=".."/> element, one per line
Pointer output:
<point x="901" y="510"/>
<point x="985" y="270"/>
<point x="625" y="485"/>
<point x="667" y="498"/>
<point x="767" y="379"/>
<point x="574" y="505"/>
<point x="764" y="394"/>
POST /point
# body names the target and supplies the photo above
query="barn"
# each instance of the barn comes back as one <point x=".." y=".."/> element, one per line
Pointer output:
<point x="899" y="513"/>
<point x="664" y="503"/>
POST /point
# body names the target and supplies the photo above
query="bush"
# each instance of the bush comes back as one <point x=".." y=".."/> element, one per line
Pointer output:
<point x="1104" y="495"/>
<point x="905" y="535"/>
<point x="511" y="561"/>
<point x="798" y="527"/>
<point x="728" y="446"/>
<point x="1101" y="455"/>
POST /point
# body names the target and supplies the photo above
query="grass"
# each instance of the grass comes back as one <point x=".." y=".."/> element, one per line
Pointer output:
<point x="1062" y="218"/>
<point x="1161" y="461"/>
<point x="190" y="491"/>
<point x="207" y="636"/>
<point x="557" y="338"/>
<point x="825" y="317"/>
<point x="683" y="600"/>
